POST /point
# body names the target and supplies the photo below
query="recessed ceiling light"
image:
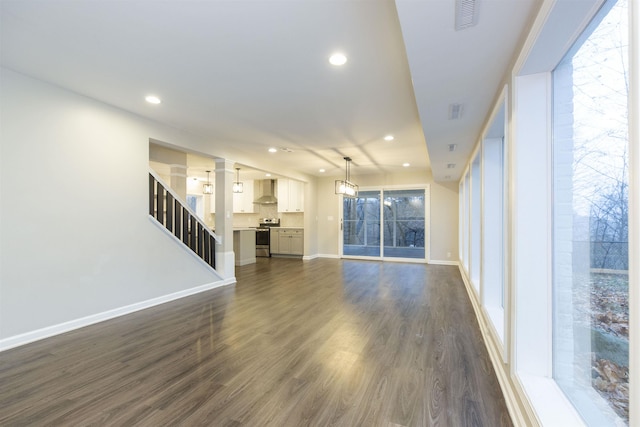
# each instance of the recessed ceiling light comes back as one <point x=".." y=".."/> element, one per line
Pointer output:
<point x="406" y="165"/>
<point x="338" y="59"/>
<point x="451" y="165"/>
<point x="322" y="171"/>
<point x="452" y="147"/>
<point x="273" y="150"/>
<point x="388" y="138"/>
<point x="152" y="99"/>
<point x="268" y="174"/>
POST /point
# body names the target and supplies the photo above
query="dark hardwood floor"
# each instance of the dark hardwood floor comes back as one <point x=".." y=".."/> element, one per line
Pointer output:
<point x="293" y="343"/>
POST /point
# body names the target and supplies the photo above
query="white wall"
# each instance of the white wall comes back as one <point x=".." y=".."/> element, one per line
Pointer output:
<point x="75" y="237"/>
<point x="444" y="221"/>
<point x="310" y="219"/>
<point x="328" y="218"/>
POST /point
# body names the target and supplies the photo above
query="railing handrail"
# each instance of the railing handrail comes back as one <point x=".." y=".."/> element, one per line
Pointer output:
<point x="184" y="204"/>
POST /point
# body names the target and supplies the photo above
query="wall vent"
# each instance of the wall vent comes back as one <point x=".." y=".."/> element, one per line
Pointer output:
<point x="452" y="147"/>
<point x="466" y="14"/>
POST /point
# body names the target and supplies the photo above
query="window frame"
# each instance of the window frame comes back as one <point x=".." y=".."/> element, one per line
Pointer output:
<point x="494" y="218"/>
<point x="555" y="30"/>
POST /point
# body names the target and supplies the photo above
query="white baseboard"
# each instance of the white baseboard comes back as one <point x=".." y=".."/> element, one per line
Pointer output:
<point x="49" y="331"/>
<point x="334" y="256"/>
<point x="310" y="257"/>
<point x="442" y="262"/>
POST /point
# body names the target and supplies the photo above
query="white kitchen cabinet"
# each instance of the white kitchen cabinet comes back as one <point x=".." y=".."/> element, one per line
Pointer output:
<point x="290" y="195"/>
<point x="243" y="202"/>
<point x="297" y="243"/>
<point x="290" y="241"/>
<point x="274" y="239"/>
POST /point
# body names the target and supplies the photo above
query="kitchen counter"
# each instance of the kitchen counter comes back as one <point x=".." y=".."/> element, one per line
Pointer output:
<point x="244" y="245"/>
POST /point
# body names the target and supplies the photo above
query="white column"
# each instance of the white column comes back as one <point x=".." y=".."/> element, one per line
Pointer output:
<point x="225" y="257"/>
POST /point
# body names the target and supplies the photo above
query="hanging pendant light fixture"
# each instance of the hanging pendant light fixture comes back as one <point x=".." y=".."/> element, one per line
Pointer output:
<point x="238" y="187"/>
<point x="208" y="187"/>
<point x="346" y="187"/>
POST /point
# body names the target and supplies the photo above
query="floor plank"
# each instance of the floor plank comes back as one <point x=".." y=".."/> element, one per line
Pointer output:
<point x="293" y="343"/>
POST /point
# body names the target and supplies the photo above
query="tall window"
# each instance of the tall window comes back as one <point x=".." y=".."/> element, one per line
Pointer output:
<point x="475" y="218"/>
<point x="465" y="222"/>
<point x="590" y="220"/>
<point x="493" y="231"/>
<point x="196" y="203"/>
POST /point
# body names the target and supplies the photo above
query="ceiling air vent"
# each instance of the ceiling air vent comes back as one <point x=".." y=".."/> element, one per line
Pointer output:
<point x="466" y="14"/>
<point x="455" y="111"/>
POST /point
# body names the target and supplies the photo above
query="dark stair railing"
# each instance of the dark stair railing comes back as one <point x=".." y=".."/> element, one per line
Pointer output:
<point x="181" y="221"/>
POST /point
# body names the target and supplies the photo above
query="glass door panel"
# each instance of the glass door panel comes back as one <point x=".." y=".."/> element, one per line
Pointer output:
<point x="361" y="226"/>
<point x="404" y="224"/>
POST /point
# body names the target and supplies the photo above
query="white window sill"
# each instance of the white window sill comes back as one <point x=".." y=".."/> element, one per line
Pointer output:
<point x="551" y="405"/>
<point x="496" y="315"/>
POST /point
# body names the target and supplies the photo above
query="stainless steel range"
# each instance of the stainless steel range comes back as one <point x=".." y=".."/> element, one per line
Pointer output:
<point x="263" y="236"/>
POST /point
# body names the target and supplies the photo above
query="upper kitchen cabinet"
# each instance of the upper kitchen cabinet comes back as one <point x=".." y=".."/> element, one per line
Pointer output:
<point x="290" y="195"/>
<point x="243" y="202"/>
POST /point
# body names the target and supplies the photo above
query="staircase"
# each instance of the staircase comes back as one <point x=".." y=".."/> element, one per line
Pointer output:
<point x="167" y="209"/>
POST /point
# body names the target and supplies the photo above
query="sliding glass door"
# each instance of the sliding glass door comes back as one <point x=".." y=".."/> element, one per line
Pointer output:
<point x="361" y="226"/>
<point x="402" y="226"/>
<point x="403" y="229"/>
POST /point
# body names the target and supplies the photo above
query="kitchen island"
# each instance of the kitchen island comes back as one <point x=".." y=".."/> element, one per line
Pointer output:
<point x="244" y="245"/>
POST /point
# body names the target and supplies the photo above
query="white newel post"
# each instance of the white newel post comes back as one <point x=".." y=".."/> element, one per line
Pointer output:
<point x="225" y="257"/>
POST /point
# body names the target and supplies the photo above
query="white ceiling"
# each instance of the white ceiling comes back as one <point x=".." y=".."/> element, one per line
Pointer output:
<point x="254" y="74"/>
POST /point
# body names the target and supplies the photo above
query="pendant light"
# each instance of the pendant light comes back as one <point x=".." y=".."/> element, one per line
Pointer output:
<point x="208" y="187"/>
<point x="238" y="186"/>
<point x="346" y="187"/>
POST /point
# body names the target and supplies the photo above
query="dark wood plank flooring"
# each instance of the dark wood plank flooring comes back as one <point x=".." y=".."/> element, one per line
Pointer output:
<point x="293" y="343"/>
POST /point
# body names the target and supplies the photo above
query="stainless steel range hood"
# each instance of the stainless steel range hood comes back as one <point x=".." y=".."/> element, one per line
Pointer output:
<point x="268" y="189"/>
